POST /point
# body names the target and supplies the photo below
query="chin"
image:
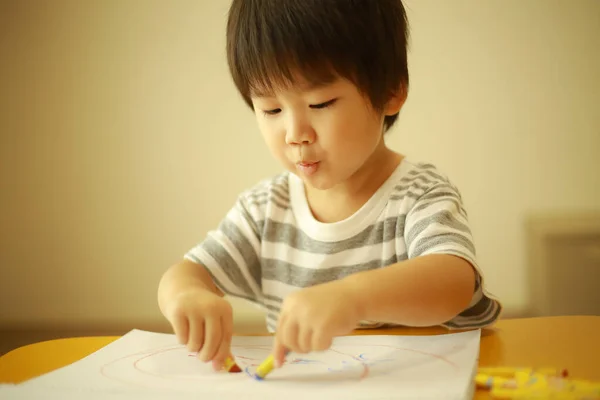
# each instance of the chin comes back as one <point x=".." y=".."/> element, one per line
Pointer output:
<point x="318" y="183"/>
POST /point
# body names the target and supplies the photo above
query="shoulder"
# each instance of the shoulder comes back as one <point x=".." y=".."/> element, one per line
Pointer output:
<point x="269" y="192"/>
<point x="420" y="181"/>
<point x="276" y="185"/>
<point x="421" y="177"/>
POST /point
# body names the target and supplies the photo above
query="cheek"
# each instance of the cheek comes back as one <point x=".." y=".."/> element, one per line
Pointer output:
<point x="273" y="138"/>
<point x="356" y="133"/>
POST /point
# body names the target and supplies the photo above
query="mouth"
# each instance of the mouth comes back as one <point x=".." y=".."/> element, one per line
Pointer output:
<point x="307" y="168"/>
<point x="306" y="163"/>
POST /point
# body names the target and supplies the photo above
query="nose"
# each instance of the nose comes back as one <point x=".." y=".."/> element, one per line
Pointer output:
<point x="299" y="131"/>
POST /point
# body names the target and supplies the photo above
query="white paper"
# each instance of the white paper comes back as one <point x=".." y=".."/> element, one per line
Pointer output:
<point x="153" y="366"/>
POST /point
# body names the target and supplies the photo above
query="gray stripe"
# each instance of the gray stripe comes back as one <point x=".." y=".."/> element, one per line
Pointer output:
<point x="281" y="193"/>
<point x="477" y="282"/>
<point x="416" y="179"/>
<point x="427" y="193"/>
<point x="432" y="174"/>
<point x="243" y="245"/>
<point x="294" y="275"/>
<point x="426" y="243"/>
<point x="279" y="182"/>
<point x="445" y="218"/>
<point x="219" y="284"/>
<point x="478" y="309"/>
<point x="380" y="232"/>
<point x="413" y="184"/>
<point x="276" y="299"/>
<point x="493" y="314"/>
<point x="437" y="199"/>
<point x="426" y="166"/>
<point x="261" y="197"/>
<point x="227" y="264"/>
<point x="409" y="195"/>
<point x="435" y="190"/>
<point x="272" y="200"/>
<point x="274" y="309"/>
<point x="246" y="216"/>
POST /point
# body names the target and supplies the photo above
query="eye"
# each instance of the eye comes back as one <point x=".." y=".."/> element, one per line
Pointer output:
<point x="272" y="112"/>
<point x="323" y="105"/>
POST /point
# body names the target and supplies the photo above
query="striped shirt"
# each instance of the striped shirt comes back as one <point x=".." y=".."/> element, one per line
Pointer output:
<point x="269" y="244"/>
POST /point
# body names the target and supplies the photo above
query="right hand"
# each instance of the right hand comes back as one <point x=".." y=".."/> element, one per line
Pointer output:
<point x="203" y="321"/>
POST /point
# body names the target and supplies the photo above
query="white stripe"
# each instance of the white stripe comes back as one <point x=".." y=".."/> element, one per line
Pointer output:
<point x="452" y="248"/>
<point x="397" y="208"/>
<point x="278" y="289"/>
<point x="478" y="295"/>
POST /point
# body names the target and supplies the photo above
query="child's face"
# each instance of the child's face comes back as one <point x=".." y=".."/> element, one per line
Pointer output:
<point x="325" y="134"/>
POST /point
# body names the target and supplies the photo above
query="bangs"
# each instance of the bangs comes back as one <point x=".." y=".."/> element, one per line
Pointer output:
<point x="278" y="44"/>
<point x="281" y="71"/>
<point x="275" y="44"/>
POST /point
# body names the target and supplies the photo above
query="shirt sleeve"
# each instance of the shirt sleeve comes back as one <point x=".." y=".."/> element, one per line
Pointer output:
<point x="231" y="254"/>
<point x="438" y="224"/>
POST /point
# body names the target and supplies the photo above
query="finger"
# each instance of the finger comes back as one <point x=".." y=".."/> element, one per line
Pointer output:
<point x="289" y="337"/>
<point x="224" y="350"/>
<point x="281" y="322"/>
<point x="212" y="338"/>
<point x="305" y="339"/>
<point x="321" y="341"/>
<point x="279" y="353"/>
<point x="196" y="335"/>
<point x="181" y="328"/>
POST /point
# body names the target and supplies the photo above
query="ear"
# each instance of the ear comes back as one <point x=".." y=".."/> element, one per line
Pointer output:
<point x="397" y="100"/>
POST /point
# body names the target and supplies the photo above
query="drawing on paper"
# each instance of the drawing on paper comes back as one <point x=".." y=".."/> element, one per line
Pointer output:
<point x="163" y="367"/>
<point x="145" y="364"/>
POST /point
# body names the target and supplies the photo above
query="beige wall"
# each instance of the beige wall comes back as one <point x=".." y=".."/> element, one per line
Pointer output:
<point x="122" y="139"/>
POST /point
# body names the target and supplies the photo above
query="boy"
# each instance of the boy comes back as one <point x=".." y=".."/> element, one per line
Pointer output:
<point x="352" y="234"/>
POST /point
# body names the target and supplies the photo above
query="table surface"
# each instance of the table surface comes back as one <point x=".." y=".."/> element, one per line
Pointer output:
<point x="570" y="342"/>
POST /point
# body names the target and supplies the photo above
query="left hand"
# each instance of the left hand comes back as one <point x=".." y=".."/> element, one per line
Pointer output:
<point x="310" y="318"/>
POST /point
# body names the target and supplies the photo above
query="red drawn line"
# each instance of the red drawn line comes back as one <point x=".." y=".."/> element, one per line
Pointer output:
<point x="146" y="354"/>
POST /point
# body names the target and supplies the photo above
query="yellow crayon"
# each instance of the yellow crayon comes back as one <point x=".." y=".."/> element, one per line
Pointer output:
<point x="511" y="371"/>
<point x="502" y="371"/>
<point x="489" y="381"/>
<point x="265" y="368"/>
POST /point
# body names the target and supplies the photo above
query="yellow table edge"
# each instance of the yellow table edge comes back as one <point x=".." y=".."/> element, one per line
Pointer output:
<point x="500" y="344"/>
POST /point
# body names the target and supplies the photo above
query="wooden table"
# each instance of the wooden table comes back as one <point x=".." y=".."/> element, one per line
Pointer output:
<point x="561" y="342"/>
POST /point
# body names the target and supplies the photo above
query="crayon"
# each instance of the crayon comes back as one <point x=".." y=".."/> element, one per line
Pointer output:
<point x="266" y="367"/>
<point x="500" y="371"/>
<point x="230" y="366"/>
<point x="489" y="381"/>
<point x="511" y="371"/>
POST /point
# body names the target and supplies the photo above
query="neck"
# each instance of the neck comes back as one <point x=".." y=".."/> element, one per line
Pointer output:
<point x="344" y="199"/>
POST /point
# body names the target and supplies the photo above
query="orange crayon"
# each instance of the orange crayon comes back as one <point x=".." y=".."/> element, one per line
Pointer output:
<point x="231" y="366"/>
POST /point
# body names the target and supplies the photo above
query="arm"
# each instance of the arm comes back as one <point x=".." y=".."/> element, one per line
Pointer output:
<point x="201" y="318"/>
<point x="423" y="291"/>
<point x="181" y="277"/>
